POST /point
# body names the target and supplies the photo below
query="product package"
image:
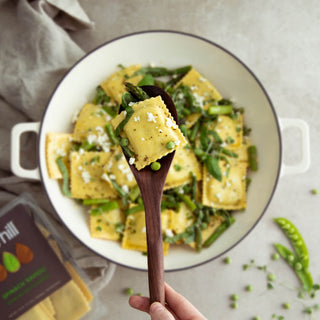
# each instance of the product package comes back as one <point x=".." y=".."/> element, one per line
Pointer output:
<point x="38" y="277"/>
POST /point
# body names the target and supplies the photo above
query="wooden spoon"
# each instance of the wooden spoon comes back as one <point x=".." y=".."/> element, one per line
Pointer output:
<point x="151" y="187"/>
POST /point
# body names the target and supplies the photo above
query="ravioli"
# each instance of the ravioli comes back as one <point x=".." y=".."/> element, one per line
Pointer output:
<point x="149" y="129"/>
<point x="87" y="179"/>
<point x="104" y="225"/>
<point x="202" y="89"/>
<point x="183" y="163"/>
<point x="114" y="85"/>
<point x="228" y="194"/>
<point x="134" y="237"/>
<point x="57" y="145"/>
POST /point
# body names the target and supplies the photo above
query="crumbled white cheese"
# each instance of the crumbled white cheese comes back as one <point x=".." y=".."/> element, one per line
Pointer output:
<point x="180" y="95"/>
<point x="143" y="230"/>
<point x="85" y="176"/>
<point x="228" y="184"/>
<point x="219" y="119"/>
<point x="125" y="188"/>
<point x="169" y="233"/>
<point x="132" y="160"/>
<point x="112" y="176"/>
<point x="75" y="115"/>
<point x="142" y="139"/>
<point x="131" y="103"/>
<point x="99" y="129"/>
<point x="61" y="152"/>
<point x="129" y="176"/>
<point x="124" y="113"/>
<point x="218" y="195"/>
<point x="151" y="117"/>
<point x="193" y="87"/>
<point x="136" y="119"/>
<point x="81" y="151"/>
<point x="80" y="168"/>
<point x="160" y="131"/>
<point x="177" y="142"/>
<point x="105" y="177"/>
<point x="199" y="99"/>
<point x="202" y="79"/>
<point x="170" y="123"/>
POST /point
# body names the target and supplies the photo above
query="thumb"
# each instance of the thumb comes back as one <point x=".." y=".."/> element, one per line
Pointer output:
<point x="159" y="312"/>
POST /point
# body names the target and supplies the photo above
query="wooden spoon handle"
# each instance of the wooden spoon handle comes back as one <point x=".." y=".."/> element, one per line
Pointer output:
<point x="152" y="200"/>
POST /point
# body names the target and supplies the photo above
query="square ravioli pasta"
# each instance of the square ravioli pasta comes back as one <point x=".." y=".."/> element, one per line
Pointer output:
<point x="87" y="179"/>
<point x="230" y="193"/>
<point x="149" y="130"/>
<point x="135" y="237"/>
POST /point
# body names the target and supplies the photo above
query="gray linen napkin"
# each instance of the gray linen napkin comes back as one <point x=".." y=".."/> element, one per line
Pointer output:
<point x="35" y="52"/>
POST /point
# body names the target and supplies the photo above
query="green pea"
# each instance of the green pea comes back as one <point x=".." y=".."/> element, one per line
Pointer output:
<point x="275" y="256"/>
<point x="129" y="291"/>
<point x="249" y="288"/>
<point x="256" y="318"/>
<point x="234" y="305"/>
<point x="155" y="166"/>
<point x="290" y="258"/>
<point x="271" y="277"/>
<point x="235" y="297"/>
<point x="298" y="266"/>
<point x="170" y="145"/>
<point x="314" y="191"/>
<point x="227" y="260"/>
<point x="286" y="305"/>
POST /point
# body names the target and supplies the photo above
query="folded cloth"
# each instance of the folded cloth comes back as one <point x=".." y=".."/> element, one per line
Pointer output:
<point x="36" y="51"/>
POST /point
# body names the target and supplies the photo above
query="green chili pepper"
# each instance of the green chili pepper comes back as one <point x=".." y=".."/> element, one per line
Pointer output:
<point x="303" y="274"/>
<point x="252" y="154"/>
<point x="218" y="232"/>
<point x="65" y="175"/>
<point x="296" y="240"/>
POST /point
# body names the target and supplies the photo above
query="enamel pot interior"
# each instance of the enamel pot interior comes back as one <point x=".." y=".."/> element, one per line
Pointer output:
<point x="171" y="49"/>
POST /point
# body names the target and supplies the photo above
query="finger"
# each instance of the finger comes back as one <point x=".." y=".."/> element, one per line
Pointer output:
<point x="159" y="312"/>
<point x="140" y="303"/>
<point x="181" y="306"/>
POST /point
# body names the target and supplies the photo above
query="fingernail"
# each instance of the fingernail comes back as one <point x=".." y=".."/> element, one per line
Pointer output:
<point x="156" y="306"/>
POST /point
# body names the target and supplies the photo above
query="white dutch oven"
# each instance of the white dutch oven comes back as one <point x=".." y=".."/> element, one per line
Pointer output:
<point x="171" y="49"/>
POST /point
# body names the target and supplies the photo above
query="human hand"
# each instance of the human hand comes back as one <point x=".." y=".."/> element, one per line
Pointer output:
<point x="177" y="307"/>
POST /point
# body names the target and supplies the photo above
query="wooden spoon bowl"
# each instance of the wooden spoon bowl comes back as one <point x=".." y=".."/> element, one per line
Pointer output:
<point x="151" y="185"/>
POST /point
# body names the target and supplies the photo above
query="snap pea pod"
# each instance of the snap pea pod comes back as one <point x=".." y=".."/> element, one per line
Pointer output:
<point x="65" y="175"/>
<point x="218" y="232"/>
<point x="292" y="259"/>
<point x="296" y="240"/>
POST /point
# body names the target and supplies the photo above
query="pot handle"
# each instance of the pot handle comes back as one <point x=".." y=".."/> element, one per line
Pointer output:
<point x="304" y="164"/>
<point x="16" y="133"/>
